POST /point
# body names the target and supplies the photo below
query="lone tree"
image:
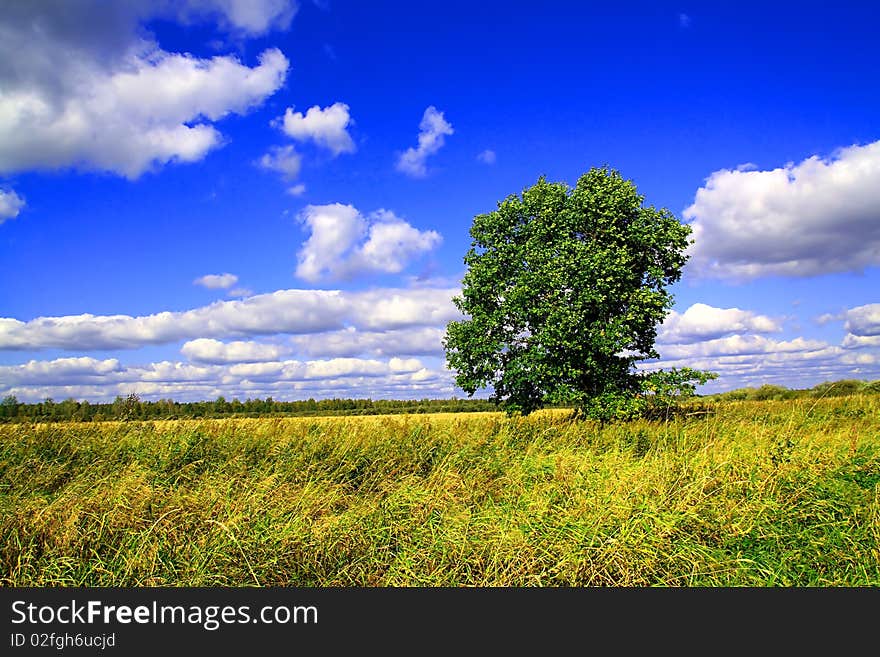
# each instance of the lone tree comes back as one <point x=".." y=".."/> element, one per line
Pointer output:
<point x="563" y="293"/>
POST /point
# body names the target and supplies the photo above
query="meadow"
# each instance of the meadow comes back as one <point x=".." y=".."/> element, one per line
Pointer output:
<point x="754" y="493"/>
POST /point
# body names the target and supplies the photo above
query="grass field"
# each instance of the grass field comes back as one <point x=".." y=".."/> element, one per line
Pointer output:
<point x="756" y="494"/>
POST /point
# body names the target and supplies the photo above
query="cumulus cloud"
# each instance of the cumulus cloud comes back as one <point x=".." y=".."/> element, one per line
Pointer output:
<point x="425" y="383"/>
<point x="827" y="318"/>
<point x="819" y="216"/>
<point x="736" y="345"/>
<point x="10" y="205"/>
<point x="284" y="160"/>
<point x="863" y="326"/>
<point x="206" y="350"/>
<point x="487" y="157"/>
<point x="327" y="127"/>
<point x="392" y="243"/>
<point x="216" y="281"/>
<point x="84" y="87"/>
<point x="250" y="17"/>
<point x="60" y="371"/>
<point x="729" y="341"/>
<point x="701" y="322"/>
<point x="343" y="242"/>
<point x="333" y="229"/>
<point x="97" y="380"/>
<point x="864" y="320"/>
<point x="789" y="368"/>
<point x="297" y="190"/>
<point x="433" y="130"/>
<point x="351" y="341"/>
<point x="852" y="341"/>
<point x="85" y="370"/>
<point x="284" y="311"/>
<point x="742" y="361"/>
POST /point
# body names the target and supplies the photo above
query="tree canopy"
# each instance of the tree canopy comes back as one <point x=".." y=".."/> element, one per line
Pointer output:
<point x="564" y="291"/>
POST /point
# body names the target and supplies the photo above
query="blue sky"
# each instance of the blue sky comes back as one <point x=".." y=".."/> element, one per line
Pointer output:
<point x="273" y="197"/>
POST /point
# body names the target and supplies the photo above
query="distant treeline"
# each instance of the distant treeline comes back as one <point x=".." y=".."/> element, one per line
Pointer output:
<point x="133" y="408"/>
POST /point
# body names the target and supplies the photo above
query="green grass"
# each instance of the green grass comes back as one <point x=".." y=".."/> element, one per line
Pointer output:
<point x="773" y="493"/>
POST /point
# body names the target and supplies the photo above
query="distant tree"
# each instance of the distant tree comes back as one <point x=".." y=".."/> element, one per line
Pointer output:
<point x="127" y="408"/>
<point x="67" y="409"/>
<point x="84" y="412"/>
<point x="563" y="294"/>
<point x="9" y="407"/>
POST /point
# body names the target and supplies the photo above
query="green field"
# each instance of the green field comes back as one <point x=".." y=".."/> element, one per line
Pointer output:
<point x="770" y="493"/>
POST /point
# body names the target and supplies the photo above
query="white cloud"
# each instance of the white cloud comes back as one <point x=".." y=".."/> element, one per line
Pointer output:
<point x="89" y="370"/>
<point x="59" y="371"/>
<point x="83" y="87"/>
<point x="283" y="159"/>
<point x="384" y="309"/>
<point x="827" y="318"/>
<point x="432" y="135"/>
<point x="851" y="341"/>
<point x="405" y="364"/>
<point x="728" y="341"/>
<point x="487" y="157"/>
<point x="426" y="383"/>
<point x="353" y="342"/>
<point x="284" y="311"/>
<point x="863" y="326"/>
<point x="326" y="127"/>
<point x="206" y="350"/>
<point x="736" y="345"/>
<point x="216" y="281"/>
<point x="701" y="321"/>
<point x="251" y="17"/>
<point x="864" y="320"/>
<point x="334" y="229"/>
<point x="336" y="367"/>
<point x="815" y="217"/>
<point x="87" y="378"/>
<point x="344" y="243"/>
<point x="742" y="361"/>
<point x="392" y="243"/>
<point x="10" y="205"/>
<point x="239" y="292"/>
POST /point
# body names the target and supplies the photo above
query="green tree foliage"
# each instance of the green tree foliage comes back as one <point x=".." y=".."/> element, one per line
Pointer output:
<point x="9" y="407"/>
<point x="563" y="294"/>
<point x="664" y="390"/>
<point x="127" y="408"/>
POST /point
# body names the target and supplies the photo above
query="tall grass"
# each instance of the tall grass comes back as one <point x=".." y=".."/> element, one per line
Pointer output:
<point x="756" y="494"/>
